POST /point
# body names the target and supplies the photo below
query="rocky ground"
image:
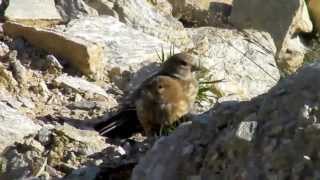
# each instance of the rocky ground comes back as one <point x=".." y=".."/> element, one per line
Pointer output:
<point x="66" y="65"/>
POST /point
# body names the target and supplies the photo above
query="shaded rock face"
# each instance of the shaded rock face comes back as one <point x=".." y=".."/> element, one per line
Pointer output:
<point x="14" y="126"/>
<point x="72" y="9"/>
<point x="273" y="136"/>
<point x="202" y="12"/>
<point x="37" y="13"/>
<point x="66" y="152"/>
<point x="314" y="8"/>
<point x="283" y="20"/>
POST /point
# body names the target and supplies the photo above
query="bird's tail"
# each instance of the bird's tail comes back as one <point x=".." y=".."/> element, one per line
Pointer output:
<point x="123" y="124"/>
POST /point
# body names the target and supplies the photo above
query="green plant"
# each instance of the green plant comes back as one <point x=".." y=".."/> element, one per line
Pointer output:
<point x="162" y="57"/>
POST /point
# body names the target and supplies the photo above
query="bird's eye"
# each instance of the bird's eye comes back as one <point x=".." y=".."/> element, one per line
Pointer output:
<point x="183" y="63"/>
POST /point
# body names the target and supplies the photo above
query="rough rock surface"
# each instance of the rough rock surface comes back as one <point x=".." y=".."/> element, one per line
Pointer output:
<point x="33" y="12"/>
<point x="283" y="20"/>
<point x="125" y="49"/>
<point x="64" y="148"/>
<point x="14" y="126"/>
<point x="278" y="142"/>
<point x="142" y="16"/>
<point x="202" y="12"/>
<point x="82" y="85"/>
<point x="244" y="60"/>
<point x="72" y="9"/>
<point x="87" y="56"/>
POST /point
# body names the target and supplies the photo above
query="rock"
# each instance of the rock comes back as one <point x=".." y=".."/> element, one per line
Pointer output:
<point x="246" y="68"/>
<point x="54" y="64"/>
<point x="33" y="12"/>
<point x="104" y="7"/>
<point x="88" y="58"/>
<point x="6" y="98"/>
<point x="282" y="19"/>
<point x="26" y="102"/>
<point x="84" y="105"/>
<point x="4" y="50"/>
<point x="53" y="150"/>
<point x="87" y="173"/>
<point x="82" y="85"/>
<point x="126" y="49"/>
<point x="24" y="161"/>
<point x="285" y="139"/>
<point x="14" y="126"/>
<point x="72" y="9"/>
<point x="89" y="141"/>
<point x="314" y="8"/>
<point x="246" y="130"/>
<point x="141" y="15"/>
<point x="7" y="80"/>
<point x="19" y="72"/>
<point x="202" y="12"/>
<point x="163" y="6"/>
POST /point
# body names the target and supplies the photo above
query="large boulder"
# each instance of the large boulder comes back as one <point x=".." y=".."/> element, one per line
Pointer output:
<point x="86" y="56"/>
<point x="72" y="9"/>
<point x="14" y="126"/>
<point x="33" y="12"/>
<point x="283" y="20"/>
<point x="125" y="49"/>
<point x="246" y="67"/>
<point x="274" y="136"/>
<point x="202" y="12"/>
<point x="142" y="16"/>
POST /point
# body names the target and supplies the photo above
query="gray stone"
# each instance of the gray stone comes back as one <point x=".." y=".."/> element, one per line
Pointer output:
<point x="26" y="102"/>
<point x="84" y="105"/>
<point x="33" y="12"/>
<point x="87" y="173"/>
<point x="4" y="49"/>
<point x="246" y="68"/>
<point x="54" y="62"/>
<point x="14" y="126"/>
<point x="202" y="12"/>
<point x="141" y="15"/>
<point x="82" y="85"/>
<point x="43" y="136"/>
<point x="90" y="141"/>
<point x="19" y="72"/>
<point x="6" y="98"/>
<point x="126" y="49"/>
<point x="246" y="130"/>
<point x="87" y="59"/>
<point x="282" y="19"/>
<point x="72" y="9"/>
<point x="65" y="147"/>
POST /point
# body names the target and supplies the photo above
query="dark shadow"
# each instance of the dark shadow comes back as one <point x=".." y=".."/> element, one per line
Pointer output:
<point x="36" y="58"/>
<point x="216" y="16"/>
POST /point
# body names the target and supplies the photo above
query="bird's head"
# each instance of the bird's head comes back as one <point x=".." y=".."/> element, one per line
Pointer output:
<point x="180" y="65"/>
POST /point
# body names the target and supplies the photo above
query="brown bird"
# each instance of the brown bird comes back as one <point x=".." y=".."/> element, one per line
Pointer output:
<point x="164" y="98"/>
